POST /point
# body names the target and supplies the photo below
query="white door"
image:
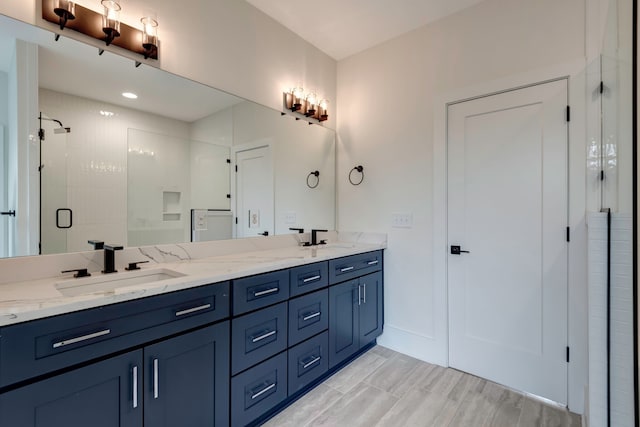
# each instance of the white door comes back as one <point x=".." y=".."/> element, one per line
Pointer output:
<point x="254" y="192"/>
<point x="507" y="206"/>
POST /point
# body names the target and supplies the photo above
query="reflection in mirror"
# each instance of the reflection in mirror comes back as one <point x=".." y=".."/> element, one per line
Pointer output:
<point x="156" y="169"/>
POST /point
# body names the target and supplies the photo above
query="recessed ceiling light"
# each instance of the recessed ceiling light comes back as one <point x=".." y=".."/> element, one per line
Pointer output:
<point x="130" y="95"/>
<point x="106" y="113"/>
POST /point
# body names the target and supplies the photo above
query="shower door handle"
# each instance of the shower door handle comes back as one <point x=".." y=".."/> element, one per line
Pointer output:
<point x="10" y="213"/>
<point x="58" y="218"/>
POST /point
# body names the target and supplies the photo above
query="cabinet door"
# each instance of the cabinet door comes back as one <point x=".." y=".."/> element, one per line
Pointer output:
<point x="344" y="339"/>
<point x="370" y="306"/>
<point x="187" y="379"/>
<point x="104" y="394"/>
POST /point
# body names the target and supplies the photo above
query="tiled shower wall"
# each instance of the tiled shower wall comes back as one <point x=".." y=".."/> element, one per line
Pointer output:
<point x="97" y="162"/>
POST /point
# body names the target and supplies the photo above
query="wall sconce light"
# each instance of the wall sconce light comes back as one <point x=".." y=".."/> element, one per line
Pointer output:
<point x="308" y="106"/>
<point x="104" y="26"/>
<point x="149" y="35"/>
<point x="66" y="10"/>
<point x="111" y="20"/>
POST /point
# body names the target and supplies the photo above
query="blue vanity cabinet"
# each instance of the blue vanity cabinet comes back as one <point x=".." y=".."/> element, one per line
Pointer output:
<point x="103" y="394"/>
<point x="187" y="379"/>
<point x="356" y="314"/>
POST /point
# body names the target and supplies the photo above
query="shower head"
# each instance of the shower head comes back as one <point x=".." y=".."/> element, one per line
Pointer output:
<point x="62" y="130"/>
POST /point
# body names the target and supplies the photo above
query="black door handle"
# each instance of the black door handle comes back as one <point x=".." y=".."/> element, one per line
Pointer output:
<point x="58" y="218"/>
<point x="264" y="233"/>
<point x="455" y="250"/>
<point x="10" y="213"/>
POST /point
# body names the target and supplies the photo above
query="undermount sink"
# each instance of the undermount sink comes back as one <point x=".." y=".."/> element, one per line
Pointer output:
<point x="112" y="282"/>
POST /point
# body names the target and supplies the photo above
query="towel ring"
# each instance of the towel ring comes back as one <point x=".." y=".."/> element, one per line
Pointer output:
<point x="317" y="175"/>
<point x="359" y="169"/>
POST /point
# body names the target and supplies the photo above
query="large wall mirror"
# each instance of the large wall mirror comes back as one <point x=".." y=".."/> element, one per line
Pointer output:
<point x="182" y="162"/>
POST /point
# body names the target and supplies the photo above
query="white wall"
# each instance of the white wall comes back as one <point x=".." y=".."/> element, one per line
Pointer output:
<point x="387" y="120"/>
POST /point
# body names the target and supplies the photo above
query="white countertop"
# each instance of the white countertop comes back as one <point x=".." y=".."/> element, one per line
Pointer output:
<point x="34" y="299"/>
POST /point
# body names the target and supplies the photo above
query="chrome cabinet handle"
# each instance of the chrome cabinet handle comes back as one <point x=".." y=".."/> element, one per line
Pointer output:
<point x="364" y="293"/>
<point x="311" y="316"/>
<point x="310" y="279"/>
<point x="193" y="310"/>
<point x="372" y="262"/>
<point x="261" y="337"/>
<point x="156" y="386"/>
<point x="135" y="387"/>
<point x="268" y="291"/>
<point x="359" y="295"/>
<point x="81" y="338"/>
<point x="342" y="270"/>
<point x="315" y="359"/>
<point x="263" y="391"/>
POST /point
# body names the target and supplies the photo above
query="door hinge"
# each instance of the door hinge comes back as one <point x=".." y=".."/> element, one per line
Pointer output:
<point x="568" y="234"/>
<point x="568" y="359"/>
<point x="602" y="175"/>
<point x="236" y="220"/>
<point x="236" y="168"/>
<point x="41" y="134"/>
<point x="601" y="87"/>
<point x="568" y="113"/>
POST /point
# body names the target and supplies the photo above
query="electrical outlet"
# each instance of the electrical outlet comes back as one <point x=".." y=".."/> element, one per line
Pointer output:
<point x="402" y="220"/>
<point x="289" y="218"/>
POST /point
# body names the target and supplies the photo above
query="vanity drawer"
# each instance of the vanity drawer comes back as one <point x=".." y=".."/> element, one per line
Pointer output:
<point x="34" y="348"/>
<point x="308" y="316"/>
<point x="258" y="336"/>
<point x="252" y="293"/>
<point x="307" y="362"/>
<point x="259" y="389"/>
<point x="308" y="278"/>
<point x="353" y="266"/>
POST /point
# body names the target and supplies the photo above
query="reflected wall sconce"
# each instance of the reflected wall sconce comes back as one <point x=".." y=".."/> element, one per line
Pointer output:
<point x="305" y="106"/>
<point x="105" y="26"/>
<point x="310" y="179"/>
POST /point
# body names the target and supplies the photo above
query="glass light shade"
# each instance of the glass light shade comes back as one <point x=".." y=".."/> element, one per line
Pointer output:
<point x="111" y="17"/>
<point x="64" y="9"/>
<point x="312" y="99"/>
<point x="298" y="93"/>
<point x="149" y="32"/>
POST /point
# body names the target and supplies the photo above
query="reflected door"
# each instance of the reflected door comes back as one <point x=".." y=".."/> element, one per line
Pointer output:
<point x="507" y="206"/>
<point x="55" y="214"/>
<point x="254" y="188"/>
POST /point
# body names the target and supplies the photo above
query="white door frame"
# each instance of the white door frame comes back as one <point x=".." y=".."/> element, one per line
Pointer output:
<point x="577" y="319"/>
<point x="266" y="142"/>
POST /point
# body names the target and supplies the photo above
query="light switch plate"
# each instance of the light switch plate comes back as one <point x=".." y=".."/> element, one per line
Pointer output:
<point x="402" y="220"/>
<point x="289" y="218"/>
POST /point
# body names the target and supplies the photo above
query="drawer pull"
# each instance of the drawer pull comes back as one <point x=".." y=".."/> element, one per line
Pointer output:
<point x="311" y="279"/>
<point x="135" y="387"/>
<point x="374" y="262"/>
<point x="156" y="386"/>
<point x="314" y="360"/>
<point x="261" y="337"/>
<point x="193" y="310"/>
<point x="311" y="316"/>
<point x="267" y="292"/>
<point x="342" y="270"/>
<point x="80" y="339"/>
<point x="263" y="391"/>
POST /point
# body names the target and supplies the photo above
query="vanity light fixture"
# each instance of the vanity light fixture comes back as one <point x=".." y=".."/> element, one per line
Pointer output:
<point x="104" y="26"/>
<point x="111" y="20"/>
<point x="66" y="10"/>
<point x="306" y="107"/>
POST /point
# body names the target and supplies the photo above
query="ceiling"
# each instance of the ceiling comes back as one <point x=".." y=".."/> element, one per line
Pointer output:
<point x="341" y="28"/>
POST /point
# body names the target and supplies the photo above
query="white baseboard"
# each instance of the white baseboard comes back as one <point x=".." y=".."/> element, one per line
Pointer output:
<point x="413" y="344"/>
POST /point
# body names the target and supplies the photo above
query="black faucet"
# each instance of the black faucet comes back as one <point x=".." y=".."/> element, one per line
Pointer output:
<point x="314" y="237"/>
<point x="299" y="230"/>
<point x="97" y="244"/>
<point x="110" y="258"/>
